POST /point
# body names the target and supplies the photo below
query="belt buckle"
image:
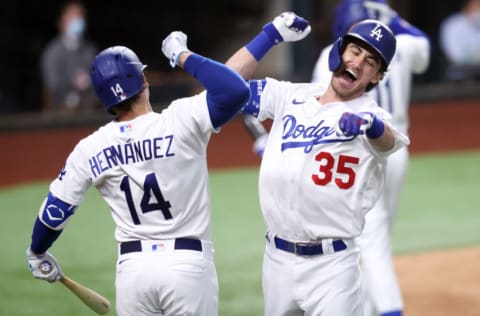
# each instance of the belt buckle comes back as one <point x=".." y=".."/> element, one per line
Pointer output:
<point x="297" y="245"/>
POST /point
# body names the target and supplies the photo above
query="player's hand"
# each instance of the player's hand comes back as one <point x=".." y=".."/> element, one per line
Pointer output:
<point x="287" y="27"/>
<point x="259" y="145"/>
<point x="44" y="266"/>
<point x="350" y="124"/>
<point x="354" y="124"/>
<point x="383" y="12"/>
<point x="173" y="46"/>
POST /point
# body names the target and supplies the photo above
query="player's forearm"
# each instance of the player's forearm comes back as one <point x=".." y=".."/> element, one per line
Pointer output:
<point x="42" y="237"/>
<point x="246" y="59"/>
<point x="53" y="216"/>
<point x="286" y="27"/>
<point x="183" y="58"/>
<point x="385" y="142"/>
<point x="227" y="92"/>
<point x="243" y="62"/>
<point x="378" y="133"/>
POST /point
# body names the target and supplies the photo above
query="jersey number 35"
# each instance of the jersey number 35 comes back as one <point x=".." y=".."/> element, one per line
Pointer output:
<point x="330" y="170"/>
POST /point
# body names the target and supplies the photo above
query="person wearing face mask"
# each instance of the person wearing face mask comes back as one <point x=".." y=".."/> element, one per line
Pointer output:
<point x="460" y="42"/>
<point x="65" y="64"/>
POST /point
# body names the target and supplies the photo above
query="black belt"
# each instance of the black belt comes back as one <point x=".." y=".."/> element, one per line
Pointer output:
<point x="180" y="243"/>
<point x="305" y="248"/>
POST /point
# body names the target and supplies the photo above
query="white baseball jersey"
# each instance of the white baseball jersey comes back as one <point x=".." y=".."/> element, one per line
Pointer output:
<point x="314" y="182"/>
<point x="412" y="56"/>
<point x="393" y="91"/>
<point x="152" y="172"/>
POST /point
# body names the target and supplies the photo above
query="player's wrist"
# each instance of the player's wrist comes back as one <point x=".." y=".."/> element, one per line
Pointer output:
<point x="192" y="62"/>
<point x="33" y="255"/>
<point x="261" y="44"/>
<point x="376" y="130"/>
<point x="272" y="32"/>
<point x="182" y="57"/>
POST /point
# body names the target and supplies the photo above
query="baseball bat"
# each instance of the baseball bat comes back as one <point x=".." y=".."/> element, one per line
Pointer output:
<point x="254" y="126"/>
<point x="92" y="299"/>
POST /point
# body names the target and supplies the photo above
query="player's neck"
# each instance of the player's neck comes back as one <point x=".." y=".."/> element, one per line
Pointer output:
<point x="331" y="95"/>
<point x="138" y="109"/>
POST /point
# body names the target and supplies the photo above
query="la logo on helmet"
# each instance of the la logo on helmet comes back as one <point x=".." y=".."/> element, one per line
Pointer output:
<point x="376" y="32"/>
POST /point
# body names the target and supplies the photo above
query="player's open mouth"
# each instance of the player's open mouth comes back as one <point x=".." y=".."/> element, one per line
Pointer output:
<point x="349" y="75"/>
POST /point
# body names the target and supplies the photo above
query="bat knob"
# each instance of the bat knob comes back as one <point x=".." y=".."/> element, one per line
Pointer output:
<point x="45" y="267"/>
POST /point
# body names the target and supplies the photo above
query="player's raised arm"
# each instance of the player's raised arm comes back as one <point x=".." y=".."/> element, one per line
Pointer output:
<point x="287" y="27"/>
<point x="227" y="92"/>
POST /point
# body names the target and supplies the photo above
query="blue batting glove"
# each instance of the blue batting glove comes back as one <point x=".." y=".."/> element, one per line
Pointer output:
<point x="367" y="123"/>
<point x="350" y="124"/>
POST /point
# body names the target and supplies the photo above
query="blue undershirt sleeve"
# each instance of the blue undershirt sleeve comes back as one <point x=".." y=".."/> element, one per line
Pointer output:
<point x="227" y="91"/>
<point x="252" y="107"/>
<point x="42" y="237"/>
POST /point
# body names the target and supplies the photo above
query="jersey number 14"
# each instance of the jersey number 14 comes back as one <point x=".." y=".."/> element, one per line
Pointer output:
<point x="150" y="186"/>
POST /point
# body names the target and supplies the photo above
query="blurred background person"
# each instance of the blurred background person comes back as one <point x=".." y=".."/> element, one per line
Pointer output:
<point x="383" y="295"/>
<point x="460" y="42"/>
<point x="65" y="64"/>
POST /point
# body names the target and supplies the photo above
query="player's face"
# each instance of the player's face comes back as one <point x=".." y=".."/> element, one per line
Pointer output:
<point x="360" y="67"/>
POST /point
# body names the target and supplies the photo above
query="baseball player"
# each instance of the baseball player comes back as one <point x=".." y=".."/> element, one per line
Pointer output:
<point x="323" y="166"/>
<point x="393" y="94"/>
<point x="151" y="170"/>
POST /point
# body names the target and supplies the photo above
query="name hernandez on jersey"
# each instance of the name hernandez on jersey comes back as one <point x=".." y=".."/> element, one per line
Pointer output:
<point x="131" y="152"/>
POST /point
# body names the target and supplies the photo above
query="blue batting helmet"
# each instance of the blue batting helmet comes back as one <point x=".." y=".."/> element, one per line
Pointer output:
<point x="117" y="75"/>
<point x="372" y="32"/>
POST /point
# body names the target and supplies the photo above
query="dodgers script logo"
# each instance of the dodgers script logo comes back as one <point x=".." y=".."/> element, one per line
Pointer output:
<point x="298" y="135"/>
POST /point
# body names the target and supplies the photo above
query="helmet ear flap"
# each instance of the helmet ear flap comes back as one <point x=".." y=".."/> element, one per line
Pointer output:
<point x="335" y="55"/>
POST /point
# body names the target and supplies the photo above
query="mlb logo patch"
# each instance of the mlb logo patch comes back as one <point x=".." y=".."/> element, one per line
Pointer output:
<point x="158" y="247"/>
<point x="125" y="128"/>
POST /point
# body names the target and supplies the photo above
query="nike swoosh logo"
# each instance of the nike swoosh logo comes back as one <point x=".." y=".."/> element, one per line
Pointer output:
<point x="122" y="261"/>
<point x="295" y="101"/>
